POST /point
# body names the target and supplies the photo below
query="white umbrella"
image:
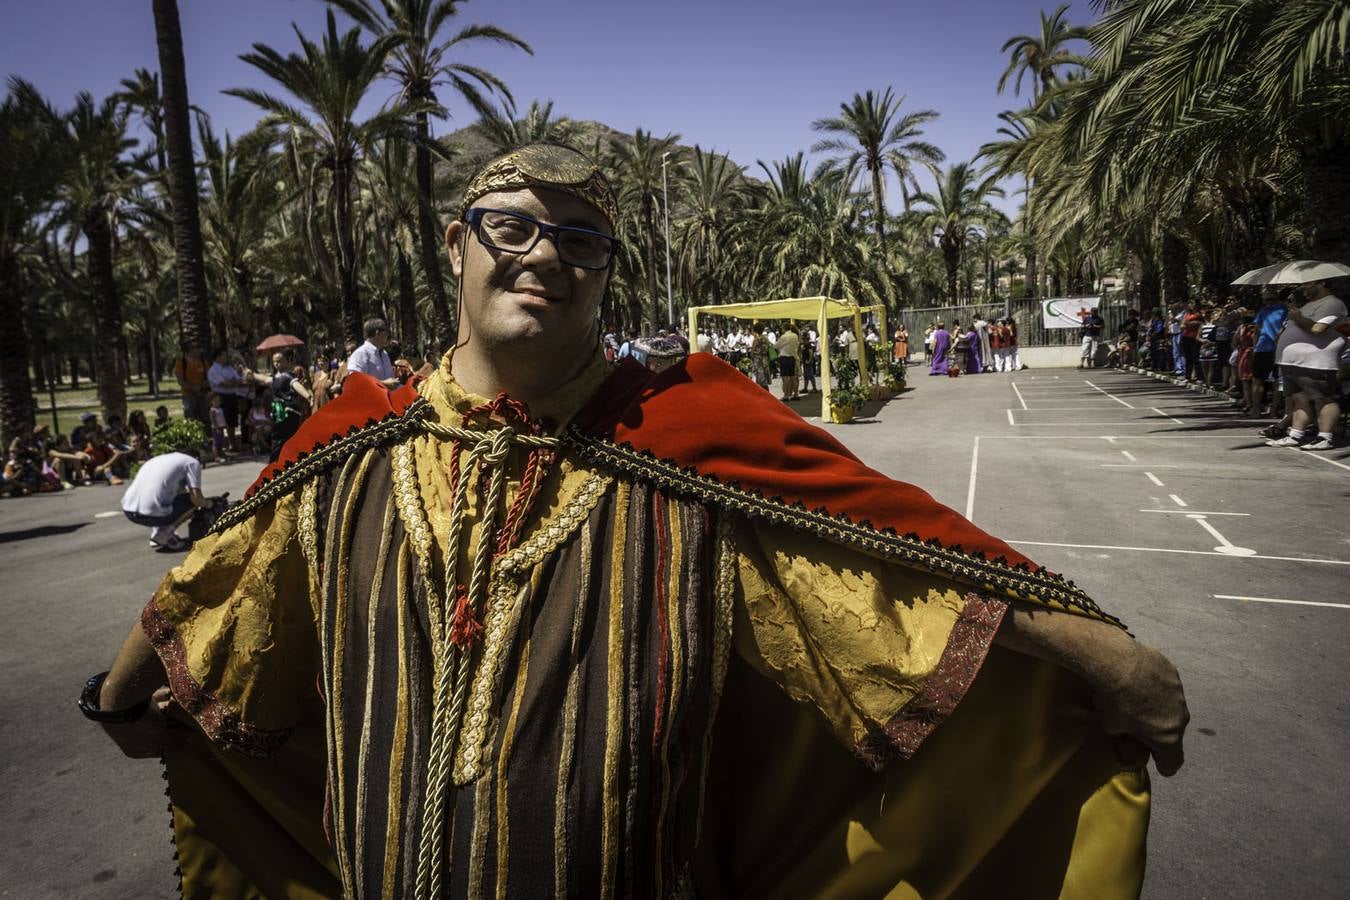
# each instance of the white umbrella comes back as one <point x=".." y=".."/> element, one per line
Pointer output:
<point x="1300" y="272"/>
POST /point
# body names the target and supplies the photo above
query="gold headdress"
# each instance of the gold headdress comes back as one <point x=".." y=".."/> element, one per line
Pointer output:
<point x="550" y="166"/>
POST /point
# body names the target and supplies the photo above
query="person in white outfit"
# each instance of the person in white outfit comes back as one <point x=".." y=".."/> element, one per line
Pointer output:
<point x="165" y="493"/>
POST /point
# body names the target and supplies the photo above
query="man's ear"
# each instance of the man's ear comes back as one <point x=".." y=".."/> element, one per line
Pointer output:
<point x="454" y="246"/>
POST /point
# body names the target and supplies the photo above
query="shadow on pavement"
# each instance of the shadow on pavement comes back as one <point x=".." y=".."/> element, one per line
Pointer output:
<point x="27" y="534"/>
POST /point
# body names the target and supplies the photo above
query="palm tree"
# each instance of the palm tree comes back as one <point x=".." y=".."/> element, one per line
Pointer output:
<point x="1041" y="55"/>
<point x="958" y="209"/>
<point x="504" y="132"/>
<point x="420" y="62"/>
<point x="873" y="135"/>
<point x="97" y="194"/>
<point x="193" y="303"/>
<point x="240" y="201"/>
<point x="391" y="188"/>
<point x="330" y="80"/>
<point x="713" y="192"/>
<point x="636" y="165"/>
<point x="140" y="94"/>
<point x="1015" y="133"/>
<point x="30" y="167"/>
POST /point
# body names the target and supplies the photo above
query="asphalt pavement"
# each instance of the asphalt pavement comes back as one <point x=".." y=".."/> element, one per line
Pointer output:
<point x="1163" y="504"/>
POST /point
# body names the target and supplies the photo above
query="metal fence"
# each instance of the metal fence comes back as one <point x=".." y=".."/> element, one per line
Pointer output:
<point x="1031" y="330"/>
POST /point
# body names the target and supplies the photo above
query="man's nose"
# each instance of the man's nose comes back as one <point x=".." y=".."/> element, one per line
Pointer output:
<point x="543" y="255"/>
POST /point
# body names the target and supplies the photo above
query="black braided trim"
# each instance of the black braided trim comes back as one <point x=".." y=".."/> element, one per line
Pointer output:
<point x="358" y="438"/>
<point x="1019" y="581"/>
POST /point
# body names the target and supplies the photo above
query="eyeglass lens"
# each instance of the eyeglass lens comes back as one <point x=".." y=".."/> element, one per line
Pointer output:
<point x="515" y="234"/>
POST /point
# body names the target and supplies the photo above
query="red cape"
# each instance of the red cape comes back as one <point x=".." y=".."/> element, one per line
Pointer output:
<point x="706" y="416"/>
<point x="364" y="401"/>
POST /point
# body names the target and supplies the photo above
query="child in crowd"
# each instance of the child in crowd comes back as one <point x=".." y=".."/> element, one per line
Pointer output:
<point x="219" y="432"/>
<point x="1209" y="349"/>
<point x="106" y="460"/>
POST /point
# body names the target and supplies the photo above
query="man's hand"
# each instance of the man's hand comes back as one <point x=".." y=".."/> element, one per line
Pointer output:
<point x="147" y="737"/>
<point x="1136" y="690"/>
<point x="1148" y="704"/>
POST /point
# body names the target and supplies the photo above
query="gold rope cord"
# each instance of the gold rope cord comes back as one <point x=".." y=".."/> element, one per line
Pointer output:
<point x="451" y="662"/>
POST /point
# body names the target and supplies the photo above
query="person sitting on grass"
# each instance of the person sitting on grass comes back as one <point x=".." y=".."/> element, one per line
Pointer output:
<point x="67" y="462"/>
<point x="138" y="434"/>
<point x="107" y="463"/>
<point x="26" y="471"/>
<point x="165" y="493"/>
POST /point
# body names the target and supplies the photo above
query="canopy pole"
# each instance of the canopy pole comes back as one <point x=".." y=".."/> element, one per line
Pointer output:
<point x="693" y="327"/>
<point x="823" y="358"/>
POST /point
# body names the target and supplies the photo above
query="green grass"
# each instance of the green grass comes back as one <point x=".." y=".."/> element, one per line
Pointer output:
<point x="73" y="403"/>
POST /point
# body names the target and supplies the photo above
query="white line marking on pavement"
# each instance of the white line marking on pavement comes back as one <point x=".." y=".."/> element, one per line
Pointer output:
<point x="1225" y="545"/>
<point x="1080" y="424"/>
<point x="1154" y="478"/>
<point x="1108" y="393"/>
<point x="1178" y="501"/>
<point x="1298" y="559"/>
<point x="1128" y="455"/>
<point x="1313" y="454"/>
<point x="1166" y="416"/>
<point x="1276" y="600"/>
<point x="1108" y="438"/>
<point x="105" y="515"/>
<point x="974" y="464"/>
<point x="1195" y="515"/>
<point x="1010" y="418"/>
<point x="1018" y="393"/>
<point x="1136" y="466"/>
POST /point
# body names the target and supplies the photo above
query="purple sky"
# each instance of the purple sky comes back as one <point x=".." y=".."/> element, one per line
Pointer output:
<point x="746" y="77"/>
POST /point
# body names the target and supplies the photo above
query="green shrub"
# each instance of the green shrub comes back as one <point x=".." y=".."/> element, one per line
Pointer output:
<point x="178" y="436"/>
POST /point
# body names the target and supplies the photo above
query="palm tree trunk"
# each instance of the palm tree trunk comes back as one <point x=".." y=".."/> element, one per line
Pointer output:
<point x="16" y="389"/>
<point x="429" y="241"/>
<point x="112" y="395"/>
<point x="879" y="210"/>
<point x="407" y="306"/>
<point x="187" y="228"/>
<point x="649" y="225"/>
<point x="345" y="242"/>
<point x="1175" y="269"/>
<point x="952" y="258"/>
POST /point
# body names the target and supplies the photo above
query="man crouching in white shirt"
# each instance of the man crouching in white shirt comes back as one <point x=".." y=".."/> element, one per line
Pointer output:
<point x="165" y="493"/>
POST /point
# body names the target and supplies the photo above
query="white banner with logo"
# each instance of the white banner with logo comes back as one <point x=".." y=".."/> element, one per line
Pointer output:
<point x="1067" y="312"/>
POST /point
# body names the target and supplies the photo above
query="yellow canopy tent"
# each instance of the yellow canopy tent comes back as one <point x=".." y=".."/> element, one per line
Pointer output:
<point x="814" y="309"/>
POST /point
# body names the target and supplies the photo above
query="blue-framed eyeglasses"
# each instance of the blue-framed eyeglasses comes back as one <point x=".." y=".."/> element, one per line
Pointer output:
<point x="513" y="232"/>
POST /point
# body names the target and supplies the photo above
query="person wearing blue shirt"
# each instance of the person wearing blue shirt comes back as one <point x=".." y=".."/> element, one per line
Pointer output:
<point x="1269" y="322"/>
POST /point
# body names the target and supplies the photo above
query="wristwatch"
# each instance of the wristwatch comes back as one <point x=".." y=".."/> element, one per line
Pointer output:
<point x="88" y="704"/>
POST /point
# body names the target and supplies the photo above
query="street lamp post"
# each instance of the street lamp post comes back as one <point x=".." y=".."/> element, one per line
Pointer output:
<point x="665" y="206"/>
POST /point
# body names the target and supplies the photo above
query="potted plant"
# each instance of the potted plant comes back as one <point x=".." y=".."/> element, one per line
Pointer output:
<point x="846" y="402"/>
<point x="895" y="376"/>
<point x="848" y="397"/>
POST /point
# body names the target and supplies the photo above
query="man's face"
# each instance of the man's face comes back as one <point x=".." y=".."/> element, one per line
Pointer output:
<point x="1313" y="290"/>
<point x="533" y="297"/>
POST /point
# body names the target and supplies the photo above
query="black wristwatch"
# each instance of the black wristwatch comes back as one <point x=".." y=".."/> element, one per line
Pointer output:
<point x="89" y="704"/>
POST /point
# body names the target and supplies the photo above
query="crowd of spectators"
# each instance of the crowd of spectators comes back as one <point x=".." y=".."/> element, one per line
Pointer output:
<point x="244" y="413"/>
<point x="1282" y="355"/>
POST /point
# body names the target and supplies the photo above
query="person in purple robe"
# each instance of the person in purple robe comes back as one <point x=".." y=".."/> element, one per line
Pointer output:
<point x="941" y="344"/>
<point x="972" y="339"/>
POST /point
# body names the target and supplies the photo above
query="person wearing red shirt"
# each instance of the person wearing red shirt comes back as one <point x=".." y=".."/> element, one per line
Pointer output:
<point x="1190" y="340"/>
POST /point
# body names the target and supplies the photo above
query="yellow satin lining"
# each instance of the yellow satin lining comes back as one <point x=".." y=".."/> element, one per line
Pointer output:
<point x="1017" y="794"/>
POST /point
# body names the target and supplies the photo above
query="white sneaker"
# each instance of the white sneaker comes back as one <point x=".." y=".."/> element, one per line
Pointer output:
<point x="1285" y="441"/>
<point x="1319" y="444"/>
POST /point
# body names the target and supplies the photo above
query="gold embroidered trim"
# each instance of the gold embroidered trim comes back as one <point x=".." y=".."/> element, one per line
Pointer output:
<point x="502" y="614"/>
<point x="391" y="427"/>
<point x="1019" y="583"/>
<point x="724" y="598"/>
<point x="307" y="525"/>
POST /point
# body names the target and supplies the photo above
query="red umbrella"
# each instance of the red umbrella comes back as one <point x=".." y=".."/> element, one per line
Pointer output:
<point x="279" y="342"/>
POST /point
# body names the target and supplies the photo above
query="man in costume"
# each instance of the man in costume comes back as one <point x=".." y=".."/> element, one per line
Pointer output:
<point x="542" y="626"/>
